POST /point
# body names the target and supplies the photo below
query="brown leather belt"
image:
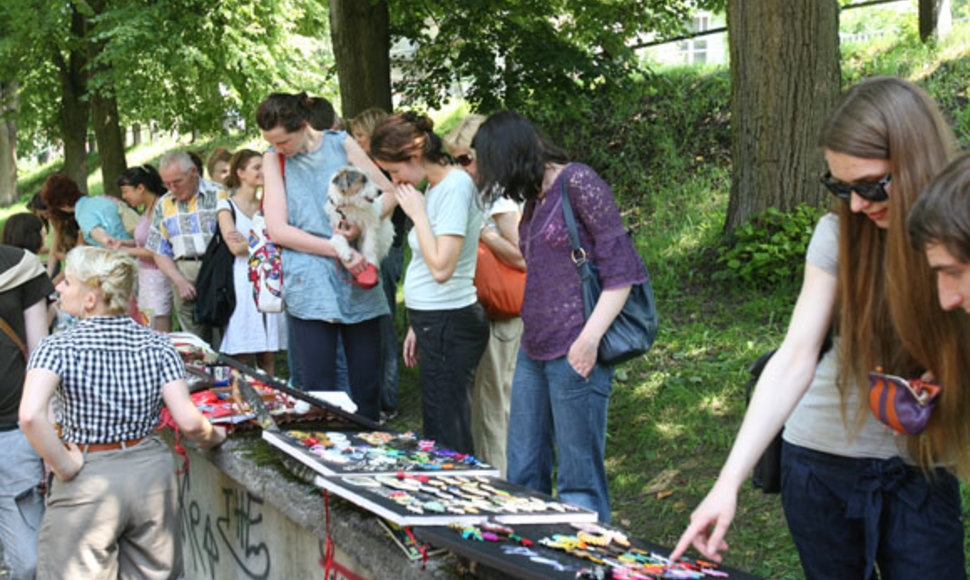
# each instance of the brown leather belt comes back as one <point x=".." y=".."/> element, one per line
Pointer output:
<point x="111" y="446"/>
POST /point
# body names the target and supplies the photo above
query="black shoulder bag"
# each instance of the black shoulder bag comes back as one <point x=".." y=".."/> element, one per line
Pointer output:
<point x="215" y="294"/>
<point x="766" y="475"/>
<point x="635" y="327"/>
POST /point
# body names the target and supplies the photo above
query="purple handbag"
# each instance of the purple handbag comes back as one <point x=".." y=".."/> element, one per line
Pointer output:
<point x="903" y="405"/>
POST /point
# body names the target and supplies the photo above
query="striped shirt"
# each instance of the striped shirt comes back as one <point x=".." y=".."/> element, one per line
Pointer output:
<point x="182" y="229"/>
<point x="112" y="371"/>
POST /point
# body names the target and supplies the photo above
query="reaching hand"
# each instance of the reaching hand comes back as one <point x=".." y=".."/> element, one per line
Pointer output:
<point x="186" y="289"/>
<point x="349" y="231"/>
<point x="716" y="510"/>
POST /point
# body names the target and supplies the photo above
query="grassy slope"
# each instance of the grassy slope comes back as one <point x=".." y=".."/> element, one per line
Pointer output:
<point x="674" y="413"/>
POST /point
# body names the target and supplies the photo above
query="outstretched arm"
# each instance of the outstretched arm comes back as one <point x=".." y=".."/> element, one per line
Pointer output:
<point x="782" y="384"/>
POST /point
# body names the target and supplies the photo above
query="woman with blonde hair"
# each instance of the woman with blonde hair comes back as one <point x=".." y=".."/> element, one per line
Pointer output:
<point x="491" y="399"/>
<point x="110" y="376"/>
<point x="857" y="497"/>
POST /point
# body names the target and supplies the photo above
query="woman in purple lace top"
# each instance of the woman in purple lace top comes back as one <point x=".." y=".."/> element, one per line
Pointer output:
<point x="560" y="392"/>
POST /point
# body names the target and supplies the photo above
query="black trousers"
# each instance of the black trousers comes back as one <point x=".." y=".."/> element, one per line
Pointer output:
<point x="315" y="345"/>
<point x="450" y="344"/>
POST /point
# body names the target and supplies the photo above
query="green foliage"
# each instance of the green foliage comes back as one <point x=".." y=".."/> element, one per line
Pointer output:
<point x="644" y="136"/>
<point x="512" y="54"/>
<point x="769" y="250"/>
<point x="184" y="64"/>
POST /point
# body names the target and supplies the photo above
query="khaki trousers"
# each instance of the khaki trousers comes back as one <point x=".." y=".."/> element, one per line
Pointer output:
<point x="117" y="519"/>
<point x="493" y="392"/>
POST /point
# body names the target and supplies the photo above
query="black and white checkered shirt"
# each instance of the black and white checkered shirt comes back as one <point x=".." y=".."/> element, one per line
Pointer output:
<point x="112" y="371"/>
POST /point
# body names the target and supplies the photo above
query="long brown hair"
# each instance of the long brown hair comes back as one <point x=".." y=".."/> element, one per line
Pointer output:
<point x="405" y="135"/>
<point x="239" y="161"/>
<point x="888" y="311"/>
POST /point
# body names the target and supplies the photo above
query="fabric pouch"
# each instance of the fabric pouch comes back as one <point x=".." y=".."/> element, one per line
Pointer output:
<point x="905" y="406"/>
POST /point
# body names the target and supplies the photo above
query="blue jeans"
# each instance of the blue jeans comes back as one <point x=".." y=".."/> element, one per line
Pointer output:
<point x="554" y="407"/>
<point x="21" y="505"/>
<point x="850" y="516"/>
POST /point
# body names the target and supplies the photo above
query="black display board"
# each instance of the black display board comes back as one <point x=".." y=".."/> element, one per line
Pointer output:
<point x="533" y="562"/>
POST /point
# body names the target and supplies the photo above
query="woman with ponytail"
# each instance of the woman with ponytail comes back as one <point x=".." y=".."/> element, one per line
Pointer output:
<point x="320" y="301"/>
<point x="448" y="327"/>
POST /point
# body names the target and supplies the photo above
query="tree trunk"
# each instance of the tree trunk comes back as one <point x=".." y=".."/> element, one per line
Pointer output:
<point x="74" y="107"/>
<point x="8" y="142"/>
<point x="784" y="81"/>
<point x="935" y="18"/>
<point x="136" y="134"/>
<point x="361" y="41"/>
<point x="107" y="131"/>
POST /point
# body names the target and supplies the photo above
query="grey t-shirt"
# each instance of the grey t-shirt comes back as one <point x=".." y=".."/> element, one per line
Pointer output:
<point x="816" y="422"/>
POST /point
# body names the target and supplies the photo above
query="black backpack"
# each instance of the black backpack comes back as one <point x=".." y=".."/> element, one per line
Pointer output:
<point x="215" y="294"/>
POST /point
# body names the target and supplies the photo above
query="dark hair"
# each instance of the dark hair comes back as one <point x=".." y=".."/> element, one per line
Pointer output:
<point x="292" y="111"/>
<point x="941" y="215"/>
<point x="405" y="135"/>
<point x="144" y="175"/>
<point x="512" y="156"/>
<point x="218" y="155"/>
<point x="197" y="161"/>
<point x="239" y="161"/>
<point x="23" y="230"/>
<point x="58" y="191"/>
<point x="37" y="206"/>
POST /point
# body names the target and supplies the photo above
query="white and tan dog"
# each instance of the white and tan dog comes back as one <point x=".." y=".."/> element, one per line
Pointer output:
<point x="354" y="198"/>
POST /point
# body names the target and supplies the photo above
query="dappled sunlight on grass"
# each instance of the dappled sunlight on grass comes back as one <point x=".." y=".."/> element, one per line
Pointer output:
<point x="669" y="430"/>
<point x="714" y="405"/>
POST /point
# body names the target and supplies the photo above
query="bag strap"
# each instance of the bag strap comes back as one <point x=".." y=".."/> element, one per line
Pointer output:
<point x="578" y="253"/>
<point x="13" y="336"/>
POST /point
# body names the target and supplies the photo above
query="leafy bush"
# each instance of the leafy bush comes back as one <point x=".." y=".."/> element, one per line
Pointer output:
<point x="769" y="250"/>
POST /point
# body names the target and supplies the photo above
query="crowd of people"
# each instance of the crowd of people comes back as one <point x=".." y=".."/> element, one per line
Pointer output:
<point x="526" y="392"/>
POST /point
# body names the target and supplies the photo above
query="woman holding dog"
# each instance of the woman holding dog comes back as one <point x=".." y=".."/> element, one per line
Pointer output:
<point x="448" y="327"/>
<point x="249" y="333"/>
<point x="856" y="497"/>
<point x="321" y="300"/>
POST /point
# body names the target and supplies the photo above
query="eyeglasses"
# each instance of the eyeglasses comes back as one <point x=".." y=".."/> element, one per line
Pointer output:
<point x="464" y="159"/>
<point x="868" y="190"/>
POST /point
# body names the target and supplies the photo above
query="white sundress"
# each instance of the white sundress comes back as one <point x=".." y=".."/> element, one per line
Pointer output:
<point x="249" y="330"/>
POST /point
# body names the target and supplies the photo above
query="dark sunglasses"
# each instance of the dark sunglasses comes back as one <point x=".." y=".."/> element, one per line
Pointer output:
<point x="868" y="190"/>
<point x="464" y="160"/>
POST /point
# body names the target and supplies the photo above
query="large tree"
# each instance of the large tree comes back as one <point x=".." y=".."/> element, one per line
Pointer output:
<point x="784" y="80"/>
<point x="361" y="39"/>
<point x="935" y="18"/>
<point x="8" y="142"/>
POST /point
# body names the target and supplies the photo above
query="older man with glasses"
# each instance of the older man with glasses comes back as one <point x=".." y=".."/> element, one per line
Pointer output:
<point x="183" y="222"/>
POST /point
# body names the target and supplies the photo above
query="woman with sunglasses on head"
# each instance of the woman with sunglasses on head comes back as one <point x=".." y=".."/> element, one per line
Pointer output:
<point x="856" y="497"/>
<point x="560" y="391"/>
<point x="493" y="377"/>
<point x="448" y="327"/>
<point x="142" y="186"/>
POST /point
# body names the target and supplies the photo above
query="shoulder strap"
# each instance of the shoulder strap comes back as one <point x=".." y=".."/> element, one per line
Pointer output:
<point x="13" y="336"/>
<point x="579" y="254"/>
<point x="283" y="167"/>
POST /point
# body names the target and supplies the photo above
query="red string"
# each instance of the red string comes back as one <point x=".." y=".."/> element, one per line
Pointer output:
<point x="181" y="451"/>
<point x="424" y="552"/>
<point x="328" y="552"/>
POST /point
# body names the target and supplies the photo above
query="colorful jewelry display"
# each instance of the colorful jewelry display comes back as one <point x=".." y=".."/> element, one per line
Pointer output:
<point x="339" y="453"/>
<point x="615" y="558"/>
<point x="459" y="498"/>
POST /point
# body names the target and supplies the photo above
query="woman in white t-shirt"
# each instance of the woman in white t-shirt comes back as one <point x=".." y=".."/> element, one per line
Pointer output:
<point x="249" y="333"/>
<point x="493" y="378"/>
<point x="448" y="327"/>
<point x="858" y="498"/>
